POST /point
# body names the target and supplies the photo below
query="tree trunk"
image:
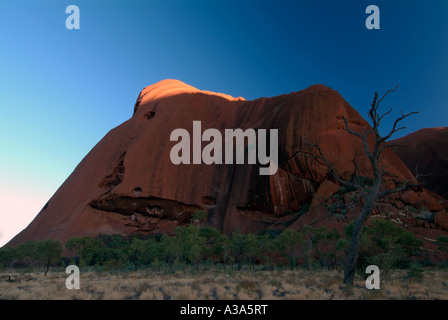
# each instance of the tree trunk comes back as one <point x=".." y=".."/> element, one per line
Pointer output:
<point x="352" y="257"/>
<point x="310" y="254"/>
<point x="48" y="266"/>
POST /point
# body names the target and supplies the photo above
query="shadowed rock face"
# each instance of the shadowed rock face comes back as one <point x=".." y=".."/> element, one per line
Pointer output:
<point x="427" y="149"/>
<point x="127" y="183"/>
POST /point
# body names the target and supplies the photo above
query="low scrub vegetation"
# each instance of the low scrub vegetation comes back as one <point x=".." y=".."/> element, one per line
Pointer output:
<point x="194" y="252"/>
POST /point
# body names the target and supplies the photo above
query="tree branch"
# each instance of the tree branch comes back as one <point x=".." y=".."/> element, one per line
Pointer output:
<point x="388" y="145"/>
<point x="394" y="128"/>
<point x="383" y="115"/>
<point x="373" y="110"/>
<point x="385" y="95"/>
<point x="355" y="172"/>
<point x="384" y="171"/>
<point x="332" y="170"/>
<point x="406" y="185"/>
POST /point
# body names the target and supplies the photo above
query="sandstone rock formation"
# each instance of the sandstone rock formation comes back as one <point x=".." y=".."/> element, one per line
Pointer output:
<point x="441" y="219"/>
<point x="324" y="192"/>
<point x="128" y="184"/>
<point x="427" y="149"/>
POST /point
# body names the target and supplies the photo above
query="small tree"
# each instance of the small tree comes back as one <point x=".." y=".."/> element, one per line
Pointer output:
<point x="226" y="251"/>
<point x="198" y="216"/>
<point x="325" y="242"/>
<point x="91" y="251"/>
<point x="215" y="242"/>
<point x="371" y="194"/>
<point x="171" y="250"/>
<point x="290" y="243"/>
<point x="266" y="249"/>
<point x="6" y="256"/>
<point x="252" y="245"/>
<point x="27" y="253"/>
<point x="243" y="247"/>
<point x="135" y="252"/>
<point x="49" y="251"/>
<point x="192" y="244"/>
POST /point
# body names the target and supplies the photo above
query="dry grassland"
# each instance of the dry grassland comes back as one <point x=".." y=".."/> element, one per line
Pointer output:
<point x="259" y="285"/>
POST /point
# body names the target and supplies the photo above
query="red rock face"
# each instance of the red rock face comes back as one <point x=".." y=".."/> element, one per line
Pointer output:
<point x="127" y="183"/>
<point x="427" y="149"/>
<point x="441" y="220"/>
<point x="325" y="191"/>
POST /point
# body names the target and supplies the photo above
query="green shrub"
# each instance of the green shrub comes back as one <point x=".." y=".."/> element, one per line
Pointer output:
<point x="6" y="256"/>
<point x="386" y="245"/>
<point x="442" y="241"/>
<point x="332" y="208"/>
<point x="415" y="271"/>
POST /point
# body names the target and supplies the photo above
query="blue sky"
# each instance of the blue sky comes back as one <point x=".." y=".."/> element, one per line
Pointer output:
<point x="62" y="90"/>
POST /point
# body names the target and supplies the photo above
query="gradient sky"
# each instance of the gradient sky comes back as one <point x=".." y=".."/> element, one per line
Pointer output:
<point x="62" y="90"/>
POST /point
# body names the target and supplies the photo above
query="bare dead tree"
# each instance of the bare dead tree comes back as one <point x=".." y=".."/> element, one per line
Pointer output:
<point x="373" y="193"/>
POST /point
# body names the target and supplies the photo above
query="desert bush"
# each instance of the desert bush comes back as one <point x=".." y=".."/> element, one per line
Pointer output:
<point x="383" y="243"/>
<point x="6" y="256"/>
<point x="386" y="245"/>
<point x="290" y="244"/>
<point x="243" y="248"/>
<point x="415" y="271"/>
<point x="90" y="251"/>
